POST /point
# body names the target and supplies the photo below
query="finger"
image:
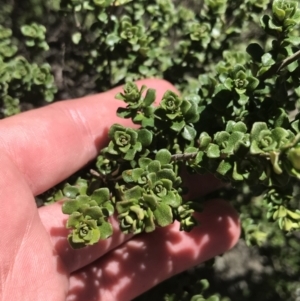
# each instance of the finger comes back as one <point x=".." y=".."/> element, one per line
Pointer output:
<point x="30" y="269"/>
<point x="148" y="259"/>
<point x="55" y="223"/>
<point x="51" y="143"/>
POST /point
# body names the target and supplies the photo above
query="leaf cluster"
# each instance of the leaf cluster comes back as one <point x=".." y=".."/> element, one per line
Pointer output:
<point x="19" y="78"/>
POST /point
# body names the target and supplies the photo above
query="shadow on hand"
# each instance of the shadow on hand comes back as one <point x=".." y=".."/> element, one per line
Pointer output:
<point x="148" y="259"/>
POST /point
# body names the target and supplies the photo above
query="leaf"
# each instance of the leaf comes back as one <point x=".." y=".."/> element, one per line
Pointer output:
<point x="124" y="206"/>
<point x="76" y="37"/>
<point x="253" y="83"/>
<point x="267" y="60"/>
<point x="138" y="211"/>
<point x="106" y="230"/>
<point x="148" y="122"/>
<point x="100" y="195"/>
<point x="73" y="244"/>
<point x="71" y="206"/>
<point x="163" y="156"/>
<point x="255" y="149"/>
<point x="204" y="283"/>
<point x="292" y="66"/>
<point x="204" y="140"/>
<point x="274" y="158"/>
<point x="149" y="222"/>
<point x="239" y="127"/>
<point x="70" y="191"/>
<point x="235" y="174"/>
<point x="74" y="219"/>
<point x="256" y="51"/>
<point x="172" y="199"/>
<point x="163" y="215"/>
<point x="120" y="2"/>
<point x="103" y="17"/>
<point x="256" y="129"/>
<point x="124" y="113"/>
<point x="189" y="133"/>
<point x="213" y="151"/>
<point x="149" y="98"/>
<point x="224" y="167"/>
<point x="277" y="11"/>
<point x="136" y="173"/>
<point x="108" y="209"/>
<point x="177" y="126"/>
<point x="292" y="40"/>
<point x="150" y="200"/>
<point x="221" y="137"/>
<point x="185" y="106"/>
<point x="133" y="193"/>
<point x="294" y="157"/>
<point x="94" y="212"/>
<point x="166" y="174"/>
<point x="130" y="154"/>
<point x="234" y="142"/>
<point x="154" y="166"/>
<point x="145" y="137"/>
<point x="112" y="39"/>
<point x="144" y="162"/>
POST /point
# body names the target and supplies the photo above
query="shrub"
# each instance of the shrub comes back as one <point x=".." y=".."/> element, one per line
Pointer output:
<point x="235" y="62"/>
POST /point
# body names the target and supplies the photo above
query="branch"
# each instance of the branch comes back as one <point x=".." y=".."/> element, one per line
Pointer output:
<point x="279" y="66"/>
<point x="185" y="156"/>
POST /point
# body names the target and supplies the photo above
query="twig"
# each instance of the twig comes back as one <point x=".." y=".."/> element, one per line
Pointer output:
<point x="186" y="156"/>
<point x="95" y="173"/>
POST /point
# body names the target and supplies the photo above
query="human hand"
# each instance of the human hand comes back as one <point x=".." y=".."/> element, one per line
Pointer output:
<point x="42" y="147"/>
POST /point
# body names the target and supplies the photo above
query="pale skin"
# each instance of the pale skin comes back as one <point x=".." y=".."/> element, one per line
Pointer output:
<point x="42" y="147"/>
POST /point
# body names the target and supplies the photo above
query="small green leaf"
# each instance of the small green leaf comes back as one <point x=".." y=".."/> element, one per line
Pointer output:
<point x="149" y="222"/>
<point x="133" y="193"/>
<point x="145" y="137"/>
<point x="154" y="166"/>
<point x="213" y="151"/>
<point x="172" y="199"/>
<point x="130" y="154"/>
<point x="76" y="37"/>
<point x="94" y="212"/>
<point x="120" y="2"/>
<point x="189" y="133"/>
<point x="205" y="284"/>
<point x="138" y="211"/>
<point x="163" y="156"/>
<point x="257" y="128"/>
<point x="124" y="206"/>
<point x="204" y="140"/>
<point x="149" y="98"/>
<point x="224" y="167"/>
<point x="277" y="11"/>
<point x="267" y="60"/>
<point x="70" y="206"/>
<point x="74" y="219"/>
<point x="144" y="162"/>
<point x="136" y="173"/>
<point x="163" y="215"/>
<point x="294" y="157"/>
<point x="70" y="191"/>
<point x="151" y="200"/>
<point x="112" y="39"/>
<point x="100" y="195"/>
<point x="106" y="230"/>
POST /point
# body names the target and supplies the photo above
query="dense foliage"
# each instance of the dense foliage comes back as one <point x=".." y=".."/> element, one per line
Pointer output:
<point x="236" y="64"/>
